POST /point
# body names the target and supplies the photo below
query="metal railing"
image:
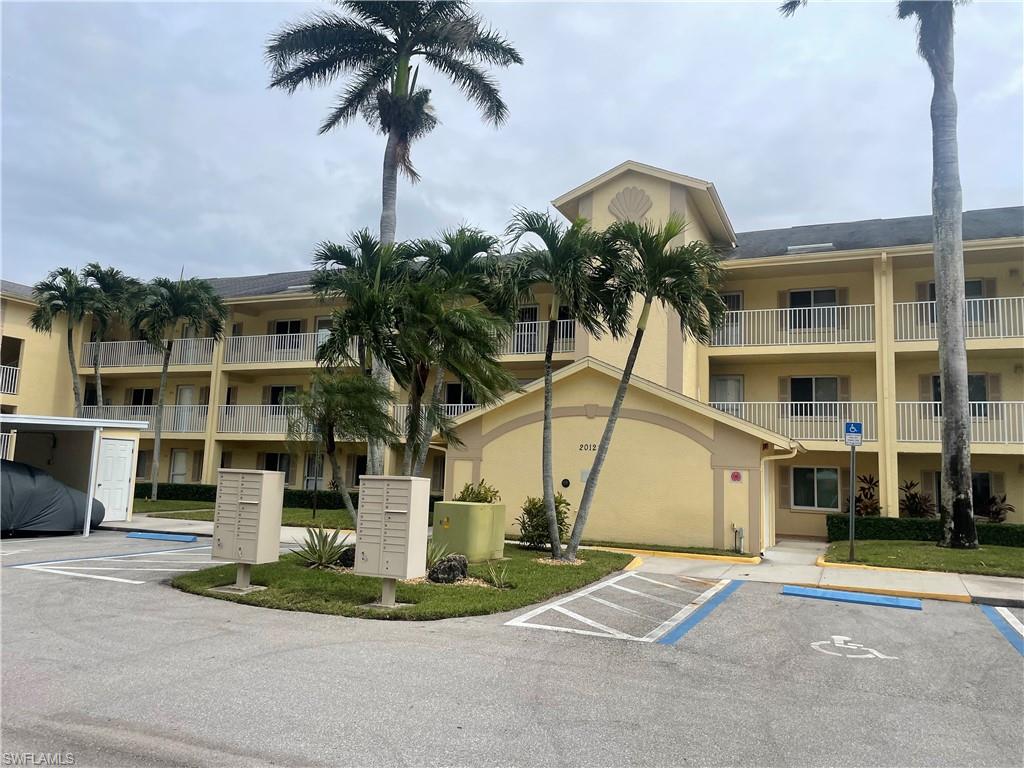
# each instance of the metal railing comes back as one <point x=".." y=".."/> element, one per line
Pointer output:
<point x="129" y="354"/>
<point x="847" y="324"/>
<point x="255" y="419"/>
<point x="176" y="418"/>
<point x="401" y="412"/>
<point x="990" y="422"/>
<point x="531" y="338"/>
<point x="984" y="319"/>
<point x="806" y="421"/>
<point x="5" y="446"/>
<point x="277" y="348"/>
<point x="9" y="379"/>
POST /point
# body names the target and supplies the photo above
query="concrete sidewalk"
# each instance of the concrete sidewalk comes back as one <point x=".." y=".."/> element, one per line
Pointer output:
<point x="289" y="534"/>
<point x="795" y="562"/>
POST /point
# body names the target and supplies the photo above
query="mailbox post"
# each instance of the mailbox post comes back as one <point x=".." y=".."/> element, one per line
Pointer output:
<point x="853" y="434"/>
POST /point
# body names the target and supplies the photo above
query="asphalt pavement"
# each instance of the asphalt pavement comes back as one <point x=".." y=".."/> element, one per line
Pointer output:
<point x="133" y="672"/>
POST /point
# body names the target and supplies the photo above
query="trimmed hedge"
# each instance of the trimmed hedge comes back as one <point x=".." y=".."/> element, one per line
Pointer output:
<point x="919" y="529"/>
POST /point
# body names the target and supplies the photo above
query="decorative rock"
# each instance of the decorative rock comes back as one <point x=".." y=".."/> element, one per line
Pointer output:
<point x="449" y="569"/>
<point x="348" y="557"/>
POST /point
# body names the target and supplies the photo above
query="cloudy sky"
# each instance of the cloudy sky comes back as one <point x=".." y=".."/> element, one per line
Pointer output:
<point x="144" y="136"/>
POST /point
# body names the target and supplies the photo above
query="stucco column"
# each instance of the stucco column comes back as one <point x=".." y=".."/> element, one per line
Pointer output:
<point x="885" y="387"/>
<point x="218" y="388"/>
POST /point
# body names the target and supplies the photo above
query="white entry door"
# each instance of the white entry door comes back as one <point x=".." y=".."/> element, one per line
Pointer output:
<point x="114" y="477"/>
<point x="186" y="396"/>
<point x="179" y="465"/>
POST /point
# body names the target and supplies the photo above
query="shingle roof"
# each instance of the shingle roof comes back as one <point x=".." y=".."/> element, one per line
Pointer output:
<point x="261" y="285"/>
<point x="8" y="288"/>
<point x="874" y="233"/>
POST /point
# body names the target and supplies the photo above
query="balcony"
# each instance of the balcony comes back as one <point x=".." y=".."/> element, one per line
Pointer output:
<point x="999" y="422"/>
<point x="255" y="419"/>
<point x="5" y="446"/>
<point x="531" y="338"/>
<point x="847" y="324"/>
<point x="807" y="421"/>
<point x="277" y="348"/>
<point x="9" y="379"/>
<point x="141" y="354"/>
<point x="451" y="410"/>
<point x="983" y="319"/>
<point x="176" y="418"/>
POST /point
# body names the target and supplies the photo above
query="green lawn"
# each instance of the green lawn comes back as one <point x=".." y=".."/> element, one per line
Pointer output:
<point x="297" y="516"/>
<point x="987" y="560"/>
<point x="152" y="507"/>
<point x="293" y="587"/>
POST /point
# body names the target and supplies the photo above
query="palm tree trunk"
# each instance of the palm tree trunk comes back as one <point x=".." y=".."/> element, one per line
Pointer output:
<point x="606" y="438"/>
<point x="158" y="419"/>
<point x="96" y="370"/>
<point x="426" y="429"/>
<point x="75" y="384"/>
<point x="547" y="462"/>
<point x="331" y="449"/>
<point x="958" y="528"/>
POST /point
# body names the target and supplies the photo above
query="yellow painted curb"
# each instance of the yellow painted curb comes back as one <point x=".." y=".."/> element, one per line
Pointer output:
<point x="635" y="563"/>
<point x="821" y="562"/>
<point x="893" y="592"/>
<point x="682" y="555"/>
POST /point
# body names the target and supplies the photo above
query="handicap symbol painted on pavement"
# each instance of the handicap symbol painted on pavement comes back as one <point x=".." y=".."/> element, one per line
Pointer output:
<point x="841" y="646"/>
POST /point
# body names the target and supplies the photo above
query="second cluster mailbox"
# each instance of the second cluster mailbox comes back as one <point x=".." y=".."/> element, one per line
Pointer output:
<point x="247" y="520"/>
<point x="391" y="530"/>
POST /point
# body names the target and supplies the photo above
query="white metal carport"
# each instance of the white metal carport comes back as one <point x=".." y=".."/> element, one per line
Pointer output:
<point x="69" y="449"/>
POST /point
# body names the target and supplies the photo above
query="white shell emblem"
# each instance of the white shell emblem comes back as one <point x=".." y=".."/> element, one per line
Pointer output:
<point x="630" y="204"/>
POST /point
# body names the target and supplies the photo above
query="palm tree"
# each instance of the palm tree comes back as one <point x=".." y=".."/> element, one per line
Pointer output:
<point x="116" y="294"/>
<point x="935" y="45"/>
<point x="641" y="264"/>
<point x="163" y="307"/>
<point x="366" y="277"/>
<point x="340" y="406"/>
<point x="63" y="292"/>
<point x="567" y="264"/>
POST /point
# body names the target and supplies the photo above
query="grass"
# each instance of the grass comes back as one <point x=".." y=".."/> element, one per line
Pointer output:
<point x="293" y="587"/>
<point x="987" y="560"/>
<point x="296" y="516"/>
<point x="664" y="548"/>
<point x="151" y="507"/>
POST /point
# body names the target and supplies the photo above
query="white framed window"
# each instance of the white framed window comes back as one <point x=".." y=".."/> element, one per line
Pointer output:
<point x="814" y="389"/>
<point x="314" y="475"/>
<point x="808" y="307"/>
<point x="815" y="488"/>
<point x="437" y="474"/>
<point x="973" y="289"/>
<point x="356" y="467"/>
<point x="283" y="327"/>
<point x="143" y="464"/>
<point x="277" y="462"/>
<point x="456" y="393"/>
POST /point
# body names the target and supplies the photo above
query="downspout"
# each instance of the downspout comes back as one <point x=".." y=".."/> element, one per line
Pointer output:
<point x="797" y="448"/>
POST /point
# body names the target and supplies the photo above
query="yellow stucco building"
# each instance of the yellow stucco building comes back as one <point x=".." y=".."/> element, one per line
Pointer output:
<point x="741" y="438"/>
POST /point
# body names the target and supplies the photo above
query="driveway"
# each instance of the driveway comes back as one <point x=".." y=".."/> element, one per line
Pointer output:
<point x="139" y="674"/>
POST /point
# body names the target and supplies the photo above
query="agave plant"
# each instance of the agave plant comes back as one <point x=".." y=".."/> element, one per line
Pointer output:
<point x="322" y="548"/>
<point x="497" y="575"/>
<point x="434" y="553"/>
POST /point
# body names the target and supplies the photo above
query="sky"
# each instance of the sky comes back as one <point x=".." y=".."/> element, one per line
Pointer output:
<point x="144" y="136"/>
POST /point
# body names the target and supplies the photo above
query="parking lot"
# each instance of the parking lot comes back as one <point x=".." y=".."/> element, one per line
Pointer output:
<point x="128" y="673"/>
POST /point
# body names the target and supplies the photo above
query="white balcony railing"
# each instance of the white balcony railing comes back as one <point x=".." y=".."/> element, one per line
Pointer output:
<point x="401" y="412"/>
<point x="273" y="348"/>
<point x="848" y="324"/>
<point x="531" y="338"/>
<point x="5" y="446"/>
<point x="255" y="419"/>
<point x="9" y="379"/>
<point x="990" y="422"/>
<point x="806" y="421"/>
<point x="130" y="354"/>
<point x="983" y="319"/>
<point x="176" y="418"/>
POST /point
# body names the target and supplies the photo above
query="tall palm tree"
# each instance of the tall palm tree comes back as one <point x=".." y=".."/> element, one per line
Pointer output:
<point x="116" y="294"/>
<point x="63" y="292"/>
<point x="343" y="406"/>
<point x="164" y="307"/>
<point x="567" y="263"/>
<point x="935" y="45"/>
<point x="366" y="277"/>
<point x="376" y="48"/>
<point x="642" y="265"/>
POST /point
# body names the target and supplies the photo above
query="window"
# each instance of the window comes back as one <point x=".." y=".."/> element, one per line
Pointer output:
<point x="278" y="462"/>
<point x="287" y="326"/>
<point x="816" y="487"/>
<point x="323" y="329"/>
<point x="237" y="329"/>
<point x="314" y="476"/>
<point x="437" y="474"/>
<point x="981" y="490"/>
<point x="973" y="289"/>
<point x="142" y="465"/>
<point x="142" y="396"/>
<point x="89" y="396"/>
<point x="357" y="467"/>
<point x="225" y="460"/>
<point x="278" y="393"/>
<point x="977" y="392"/>
<point x="809" y="394"/>
<point x="457" y="394"/>
<point x="728" y="390"/>
<point x="808" y="306"/>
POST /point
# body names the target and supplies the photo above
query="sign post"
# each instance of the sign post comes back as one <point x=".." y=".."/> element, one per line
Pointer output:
<point x="853" y="435"/>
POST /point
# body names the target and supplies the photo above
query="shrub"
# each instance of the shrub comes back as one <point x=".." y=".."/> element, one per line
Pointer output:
<point x="920" y="529"/>
<point x="497" y="575"/>
<point x="913" y="503"/>
<point x="533" y="522"/>
<point x="293" y="497"/>
<point x="998" y="509"/>
<point x="481" y="493"/>
<point x="321" y="549"/>
<point x="866" y="500"/>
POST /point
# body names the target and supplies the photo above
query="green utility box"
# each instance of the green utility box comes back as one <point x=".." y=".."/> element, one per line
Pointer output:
<point x="471" y="529"/>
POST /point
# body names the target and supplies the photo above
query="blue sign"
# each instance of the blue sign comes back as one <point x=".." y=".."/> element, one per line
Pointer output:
<point x="853" y="433"/>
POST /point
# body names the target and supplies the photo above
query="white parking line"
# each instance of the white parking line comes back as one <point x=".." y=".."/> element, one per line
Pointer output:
<point x="1012" y="620"/>
<point x="125" y="568"/>
<point x="81" y="575"/>
<point x="649" y="597"/>
<point x="124" y="562"/>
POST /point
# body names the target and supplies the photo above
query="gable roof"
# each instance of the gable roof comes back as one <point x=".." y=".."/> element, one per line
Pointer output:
<point x="592" y="364"/>
<point x="705" y="196"/>
<point x="9" y="289"/>
<point x="985" y="224"/>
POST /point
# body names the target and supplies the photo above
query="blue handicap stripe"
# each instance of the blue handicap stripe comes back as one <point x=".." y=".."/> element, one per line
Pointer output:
<point x="861" y="598"/>
<point x="161" y="536"/>
<point x="676" y="633"/>
<point x="1016" y="640"/>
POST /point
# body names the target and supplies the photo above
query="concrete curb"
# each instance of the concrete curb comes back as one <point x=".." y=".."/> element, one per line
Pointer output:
<point x="682" y="555"/>
<point x="821" y="562"/>
<point x="128" y="527"/>
<point x="894" y="592"/>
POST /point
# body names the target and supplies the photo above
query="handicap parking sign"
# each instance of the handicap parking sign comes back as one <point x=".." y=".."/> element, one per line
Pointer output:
<point x="854" y="433"/>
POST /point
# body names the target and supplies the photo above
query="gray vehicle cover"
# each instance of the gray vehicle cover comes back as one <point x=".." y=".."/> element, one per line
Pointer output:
<point x="34" y="501"/>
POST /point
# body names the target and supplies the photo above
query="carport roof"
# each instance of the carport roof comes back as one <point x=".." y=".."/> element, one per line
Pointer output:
<point x="765" y="435"/>
<point x="68" y="423"/>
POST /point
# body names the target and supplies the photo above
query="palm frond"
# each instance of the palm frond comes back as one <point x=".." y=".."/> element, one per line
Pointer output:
<point x="475" y="84"/>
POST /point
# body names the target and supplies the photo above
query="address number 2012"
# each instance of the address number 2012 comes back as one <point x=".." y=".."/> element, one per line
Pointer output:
<point x="588" y="446"/>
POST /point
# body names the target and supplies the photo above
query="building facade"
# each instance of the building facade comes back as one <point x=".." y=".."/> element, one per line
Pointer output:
<point x="826" y="323"/>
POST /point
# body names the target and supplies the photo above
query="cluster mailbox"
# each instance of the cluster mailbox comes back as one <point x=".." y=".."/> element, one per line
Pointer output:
<point x="391" y="530"/>
<point x="247" y="519"/>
